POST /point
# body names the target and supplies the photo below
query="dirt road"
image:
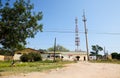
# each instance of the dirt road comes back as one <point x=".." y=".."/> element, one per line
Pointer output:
<point x="78" y="70"/>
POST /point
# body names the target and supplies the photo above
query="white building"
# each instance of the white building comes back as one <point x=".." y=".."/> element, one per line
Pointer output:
<point x="80" y="56"/>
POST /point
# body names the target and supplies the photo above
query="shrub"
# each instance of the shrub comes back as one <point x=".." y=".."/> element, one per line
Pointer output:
<point x="118" y="56"/>
<point x="37" y="57"/>
<point x="114" y="55"/>
<point x="30" y="57"/>
<point x="24" y="58"/>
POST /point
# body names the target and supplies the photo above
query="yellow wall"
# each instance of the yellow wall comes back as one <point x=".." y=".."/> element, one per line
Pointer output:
<point x="1" y="58"/>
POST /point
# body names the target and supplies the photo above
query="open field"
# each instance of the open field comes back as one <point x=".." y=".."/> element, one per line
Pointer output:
<point x="77" y="70"/>
<point x="113" y="61"/>
<point x="27" y="67"/>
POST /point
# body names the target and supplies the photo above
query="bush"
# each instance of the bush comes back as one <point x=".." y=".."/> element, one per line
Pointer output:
<point x="118" y="56"/>
<point x="24" y="58"/>
<point x="115" y="56"/>
<point x="30" y="57"/>
<point x="37" y="57"/>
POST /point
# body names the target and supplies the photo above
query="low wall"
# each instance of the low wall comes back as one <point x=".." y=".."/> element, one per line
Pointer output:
<point x="1" y="58"/>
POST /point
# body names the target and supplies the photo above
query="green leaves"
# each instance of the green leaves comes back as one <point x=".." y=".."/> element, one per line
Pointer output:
<point x="17" y="22"/>
<point x="30" y="57"/>
<point x="96" y="49"/>
<point x="58" y="48"/>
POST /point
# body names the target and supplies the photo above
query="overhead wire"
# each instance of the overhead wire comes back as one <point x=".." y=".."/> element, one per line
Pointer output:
<point x="106" y="33"/>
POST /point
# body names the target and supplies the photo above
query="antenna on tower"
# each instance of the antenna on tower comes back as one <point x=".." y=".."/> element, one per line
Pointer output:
<point x="77" y="40"/>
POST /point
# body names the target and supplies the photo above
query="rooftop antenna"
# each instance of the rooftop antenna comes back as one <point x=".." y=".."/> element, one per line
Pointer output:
<point x="77" y="40"/>
<point x="84" y="20"/>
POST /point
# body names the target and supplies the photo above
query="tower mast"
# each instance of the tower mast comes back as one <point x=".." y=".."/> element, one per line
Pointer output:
<point x="77" y="40"/>
<point x="84" y="20"/>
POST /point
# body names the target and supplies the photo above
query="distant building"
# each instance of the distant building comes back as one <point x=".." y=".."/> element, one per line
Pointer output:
<point x="50" y="55"/>
<point x="109" y="57"/>
<point x="80" y="56"/>
<point x="26" y="51"/>
<point x="5" y="58"/>
<point x="92" y="57"/>
<point x="1" y="58"/>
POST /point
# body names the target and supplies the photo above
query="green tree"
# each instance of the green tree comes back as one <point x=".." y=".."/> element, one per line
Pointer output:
<point x="17" y="23"/>
<point x="96" y="49"/>
<point x="118" y="56"/>
<point x="42" y="50"/>
<point x="24" y="58"/>
<point x="30" y="57"/>
<point x="115" y="55"/>
<point x="59" y="48"/>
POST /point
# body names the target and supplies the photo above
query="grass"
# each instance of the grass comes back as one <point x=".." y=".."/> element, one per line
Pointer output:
<point x="114" y="61"/>
<point x="20" y="67"/>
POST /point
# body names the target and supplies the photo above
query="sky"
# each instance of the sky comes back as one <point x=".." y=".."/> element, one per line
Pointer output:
<point x="103" y="24"/>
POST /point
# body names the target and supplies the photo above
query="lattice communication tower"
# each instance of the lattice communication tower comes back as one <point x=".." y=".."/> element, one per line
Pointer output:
<point x="77" y="39"/>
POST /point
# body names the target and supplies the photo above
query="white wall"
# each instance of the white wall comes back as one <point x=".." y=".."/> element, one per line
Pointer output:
<point x="17" y="56"/>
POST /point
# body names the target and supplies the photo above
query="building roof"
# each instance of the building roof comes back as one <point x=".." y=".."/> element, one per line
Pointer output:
<point x="75" y="53"/>
<point x="27" y="50"/>
<point x="71" y="53"/>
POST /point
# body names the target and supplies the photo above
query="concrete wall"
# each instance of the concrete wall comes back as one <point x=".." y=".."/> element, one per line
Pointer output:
<point x="92" y="57"/>
<point x="66" y="56"/>
<point x="17" y="56"/>
<point x="1" y="58"/>
<point x="5" y="58"/>
<point x="72" y="56"/>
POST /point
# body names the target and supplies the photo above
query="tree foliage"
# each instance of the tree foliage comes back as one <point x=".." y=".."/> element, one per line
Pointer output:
<point x="17" y="23"/>
<point x="30" y="57"/>
<point x="115" y="55"/>
<point x="42" y="50"/>
<point x="96" y="49"/>
<point x="5" y="52"/>
<point x="58" y="48"/>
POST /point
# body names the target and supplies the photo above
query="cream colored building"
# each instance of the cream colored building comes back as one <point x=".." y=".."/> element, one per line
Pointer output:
<point x="80" y="56"/>
<point x="71" y="56"/>
<point x="18" y="54"/>
<point x="5" y="58"/>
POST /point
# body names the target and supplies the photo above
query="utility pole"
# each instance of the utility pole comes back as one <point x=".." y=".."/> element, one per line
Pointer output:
<point x="104" y="50"/>
<point x="54" y="49"/>
<point x="104" y="53"/>
<point x="84" y="20"/>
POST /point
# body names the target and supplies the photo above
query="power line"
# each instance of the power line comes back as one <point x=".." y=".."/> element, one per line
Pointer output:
<point x="106" y="33"/>
<point x="60" y="31"/>
<point x="109" y="33"/>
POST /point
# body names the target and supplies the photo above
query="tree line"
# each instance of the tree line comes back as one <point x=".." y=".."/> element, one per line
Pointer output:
<point x="115" y="55"/>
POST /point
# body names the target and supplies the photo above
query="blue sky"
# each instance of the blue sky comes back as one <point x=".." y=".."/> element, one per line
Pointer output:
<point x="103" y="16"/>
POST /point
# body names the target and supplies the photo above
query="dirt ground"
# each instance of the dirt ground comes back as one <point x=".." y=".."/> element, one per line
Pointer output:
<point x="77" y="70"/>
